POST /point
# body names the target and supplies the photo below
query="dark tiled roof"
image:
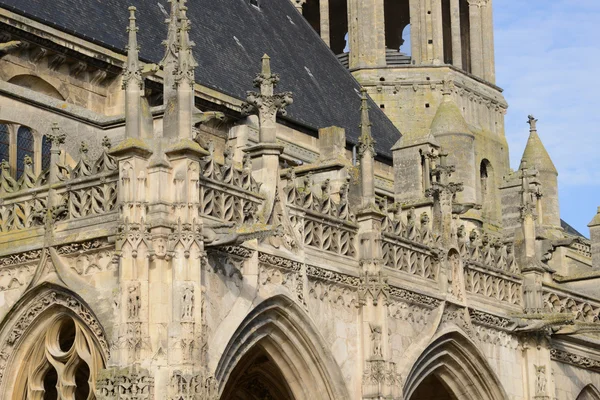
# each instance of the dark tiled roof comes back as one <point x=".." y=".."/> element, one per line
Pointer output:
<point x="569" y="229"/>
<point x="231" y="37"/>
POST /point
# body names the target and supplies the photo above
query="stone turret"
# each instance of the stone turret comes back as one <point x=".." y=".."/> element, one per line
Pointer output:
<point x="537" y="157"/>
<point x="594" y="226"/>
<point x="451" y="131"/>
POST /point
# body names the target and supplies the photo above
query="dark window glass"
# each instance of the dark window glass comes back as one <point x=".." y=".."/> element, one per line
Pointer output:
<point x="24" y="148"/>
<point x="4" y="142"/>
<point x="46" y="145"/>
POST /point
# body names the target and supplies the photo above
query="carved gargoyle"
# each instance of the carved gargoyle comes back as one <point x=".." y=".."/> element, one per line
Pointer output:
<point x="8" y="46"/>
<point x="228" y="234"/>
<point x="201" y="117"/>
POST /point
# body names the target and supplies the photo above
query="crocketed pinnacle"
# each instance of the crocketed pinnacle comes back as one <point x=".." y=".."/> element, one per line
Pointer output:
<point x="448" y="118"/>
<point x="133" y="74"/>
<point x="187" y="63"/>
<point x="172" y="42"/>
<point x="365" y="141"/>
<point x="535" y="153"/>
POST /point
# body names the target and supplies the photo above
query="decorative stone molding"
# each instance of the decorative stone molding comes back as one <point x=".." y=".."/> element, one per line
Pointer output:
<point x="583" y="310"/>
<point x="115" y="384"/>
<point x="415" y="298"/>
<point x="21" y="258"/>
<point x="496" y="337"/>
<point x="574" y="359"/>
<point x="317" y="273"/>
<point x="192" y="387"/>
<point x="282" y="271"/>
<point x="494" y="321"/>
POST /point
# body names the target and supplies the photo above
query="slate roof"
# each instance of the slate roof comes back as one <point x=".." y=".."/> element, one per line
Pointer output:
<point x="231" y="36"/>
<point x="569" y="229"/>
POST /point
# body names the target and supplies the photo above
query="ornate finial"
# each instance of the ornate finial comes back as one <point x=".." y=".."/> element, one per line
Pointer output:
<point x="56" y="137"/>
<point x="266" y="65"/>
<point x="365" y="141"/>
<point x="83" y="148"/>
<point x="532" y="123"/>
<point x="106" y="143"/>
<point x="171" y="44"/>
<point x="133" y="70"/>
<point x="447" y="86"/>
<point x="187" y="63"/>
<point x="266" y="103"/>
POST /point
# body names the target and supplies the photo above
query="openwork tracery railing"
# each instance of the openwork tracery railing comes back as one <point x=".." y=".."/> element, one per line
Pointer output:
<point x="324" y="222"/>
<point x="90" y="188"/>
<point x="226" y="193"/>
<point x="407" y="242"/>
<point x="583" y="309"/>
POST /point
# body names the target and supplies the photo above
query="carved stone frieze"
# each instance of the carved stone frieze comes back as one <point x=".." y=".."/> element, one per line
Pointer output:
<point x="483" y="318"/>
<point x="113" y="384"/>
<point x="496" y="337"/>
<point x="192" y="387"/>
<point x="20" y="258"/>
<point x="415" y="314"/>
<point x="314" y="272"/>
<point x="415" y="298"/>
<point x="575" y="359"/>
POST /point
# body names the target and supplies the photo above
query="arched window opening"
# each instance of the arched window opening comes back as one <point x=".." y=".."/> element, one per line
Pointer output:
<point x="4" y="143"/>
<point x="465" y="33"/>
<point x="338" y="25"/>
<point x="50" y="383"/>
<point x="36" y="84"/>
<point x="406" y="47"/>
<point x="257" y="377"/>
<point x="589" y="393"/>
<point x="312" y="13"/>
<point x="397" y="17"/>
<point x="432" y="389"/>
<point x="66" y="353"/>
<point x="486" y="186"/>
<point x="25" y="145"/>
<point x="46" y="146"/>
<point x="447" y="31"/>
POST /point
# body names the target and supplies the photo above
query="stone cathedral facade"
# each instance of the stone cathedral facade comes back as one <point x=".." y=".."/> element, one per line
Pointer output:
<point x="282" y="200"/>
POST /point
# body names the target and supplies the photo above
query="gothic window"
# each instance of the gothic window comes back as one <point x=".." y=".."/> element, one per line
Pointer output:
<point x="4" y="142"/>
<point x="25" y="144"/>
<point x="18" y="142"/>
<point x="46" y="145"/>
<point x="397" y="17"/>
<point x="62" y="364"/>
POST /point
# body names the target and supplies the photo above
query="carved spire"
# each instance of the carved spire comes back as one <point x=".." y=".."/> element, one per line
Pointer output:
<point x="184" y="77"/>
<point x="133" y="82"/>
<point x="365" y="141"/>
<point x="170" y="59"/>
<point x="535" y="152"/>
<point x="187" y="63"/>
<point x="133" y="70"/>
<point x="366" y="154"/>
<point x="267" y="104"/>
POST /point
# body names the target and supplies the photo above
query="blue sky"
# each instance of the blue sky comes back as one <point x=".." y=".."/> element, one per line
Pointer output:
<point x="548" y="63"/>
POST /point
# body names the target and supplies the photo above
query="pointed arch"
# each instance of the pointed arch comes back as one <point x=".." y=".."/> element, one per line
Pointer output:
<point x="455" y="362"/>
<point x="57" y="329"/>
<point x="280" y="332"/>
<point x="590" y="392"/>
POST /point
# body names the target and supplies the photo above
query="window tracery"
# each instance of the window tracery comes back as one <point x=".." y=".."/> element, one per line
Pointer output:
<point x="62" y="364"/>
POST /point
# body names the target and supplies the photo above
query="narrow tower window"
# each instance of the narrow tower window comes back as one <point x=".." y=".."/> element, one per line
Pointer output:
<point x="24" y="148"/>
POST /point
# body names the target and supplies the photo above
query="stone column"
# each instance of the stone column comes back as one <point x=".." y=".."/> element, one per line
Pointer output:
<point x="324" y="13"/>
<point x="487" y="23"/>
<point x="476" y="37"/>
<point x="595" y="238"/>
<point x="366" y="33"/>
<point x="456" y="33"/>
<point x="415" y="32"/>
<point x="437" y="31"/>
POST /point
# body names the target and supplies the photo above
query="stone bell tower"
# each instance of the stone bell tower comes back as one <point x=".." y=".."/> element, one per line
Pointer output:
<point x="415" y="57"/>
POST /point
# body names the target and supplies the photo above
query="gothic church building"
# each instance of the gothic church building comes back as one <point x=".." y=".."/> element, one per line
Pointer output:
<point x="279" y="200"/>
